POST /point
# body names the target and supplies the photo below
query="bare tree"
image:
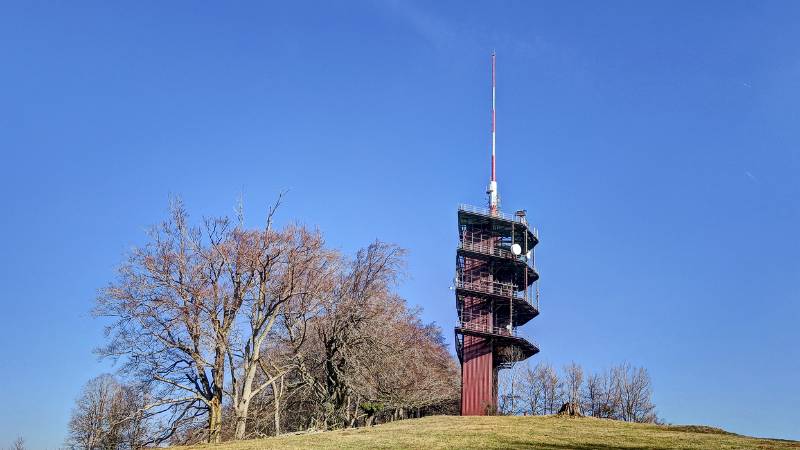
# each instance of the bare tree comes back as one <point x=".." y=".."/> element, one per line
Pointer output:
<point x="540" y="389"/>
<point x="551" y="388"/>
<point x="343" y="329"/>
<point x="290" y="269"/>
<point x="108" y="415"/>
<point x="533" y="390"/>
<point x="633" y="385"/>
<point x="367" y="355"/>
<point x="512" y="389"/>
<point x="18" y="444"/>
<point x="173" y="313"/>
<point x="610" y="397"/>
<point x="407" y="369"/>
<point x="573" y="380"/>
<point x="592" y="395"/>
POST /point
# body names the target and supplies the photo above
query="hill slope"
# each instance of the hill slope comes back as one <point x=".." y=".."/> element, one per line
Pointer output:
<point x="540" y="432"/>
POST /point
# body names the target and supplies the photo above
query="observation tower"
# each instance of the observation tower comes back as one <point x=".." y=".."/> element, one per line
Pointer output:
<point x="496" y="292"/>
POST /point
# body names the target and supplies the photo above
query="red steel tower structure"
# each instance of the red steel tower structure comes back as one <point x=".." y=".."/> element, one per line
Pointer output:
<point x="495" y="293"/>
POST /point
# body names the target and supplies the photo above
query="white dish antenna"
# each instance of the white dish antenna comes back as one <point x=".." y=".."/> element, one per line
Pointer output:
<point x="516" y="249"/>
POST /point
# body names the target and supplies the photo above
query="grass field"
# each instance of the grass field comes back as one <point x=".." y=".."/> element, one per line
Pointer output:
<point x="540" y="432"/>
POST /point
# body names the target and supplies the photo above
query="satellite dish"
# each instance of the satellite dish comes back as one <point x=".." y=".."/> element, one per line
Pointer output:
<point x="516" y="249"/>
<point x="529" y="255"/>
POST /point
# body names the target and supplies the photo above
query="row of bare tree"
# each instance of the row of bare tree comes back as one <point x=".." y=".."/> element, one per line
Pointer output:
<point x="227" y="332"/>
<point x="623" y="392"/>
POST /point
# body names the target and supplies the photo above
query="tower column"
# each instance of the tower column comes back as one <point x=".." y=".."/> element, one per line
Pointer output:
<point x="492" y="279"/>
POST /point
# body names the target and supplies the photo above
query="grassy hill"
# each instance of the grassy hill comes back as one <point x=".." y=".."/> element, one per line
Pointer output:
<point x="540" y="432"/>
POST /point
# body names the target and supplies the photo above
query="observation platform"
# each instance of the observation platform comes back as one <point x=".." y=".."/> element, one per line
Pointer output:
<point x="524" y="310"/>
<point x="508" y="347"/>
<point x="501" y="223"/>
<point x="504" y="260"/>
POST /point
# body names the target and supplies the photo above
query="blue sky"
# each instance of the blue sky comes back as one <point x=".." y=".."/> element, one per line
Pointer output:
<point x="654" y="144"/>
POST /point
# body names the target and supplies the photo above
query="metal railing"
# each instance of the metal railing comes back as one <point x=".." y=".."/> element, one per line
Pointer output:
<point x="487" y="212"/>
<point x="479" y="244"/>
<point x="480" y="323"/>
<point x="481" y="284"/>
<point x="499" y="214"/>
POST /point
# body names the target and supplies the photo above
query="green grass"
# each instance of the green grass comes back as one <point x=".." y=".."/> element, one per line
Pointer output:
<point x="540" y="432"/>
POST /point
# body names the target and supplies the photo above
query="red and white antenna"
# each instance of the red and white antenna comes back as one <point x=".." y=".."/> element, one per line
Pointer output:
<point x="492" y="189"/>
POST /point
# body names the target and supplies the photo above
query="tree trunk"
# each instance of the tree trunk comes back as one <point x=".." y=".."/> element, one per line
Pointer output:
<point x="215" y="421"/>
<point x="241" y="420"/>
<point x="276" y="394"/>
<point x="242" y="407"/>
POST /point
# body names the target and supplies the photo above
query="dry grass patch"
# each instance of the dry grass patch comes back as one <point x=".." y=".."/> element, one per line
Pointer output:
<point x="539" y="432"/>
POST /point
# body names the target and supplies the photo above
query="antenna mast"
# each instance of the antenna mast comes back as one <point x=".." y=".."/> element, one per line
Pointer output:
<point x="492" y="189"/>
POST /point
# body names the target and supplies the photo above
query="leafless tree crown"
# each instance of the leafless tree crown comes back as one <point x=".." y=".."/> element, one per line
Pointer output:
<point x="237" y="332"/>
